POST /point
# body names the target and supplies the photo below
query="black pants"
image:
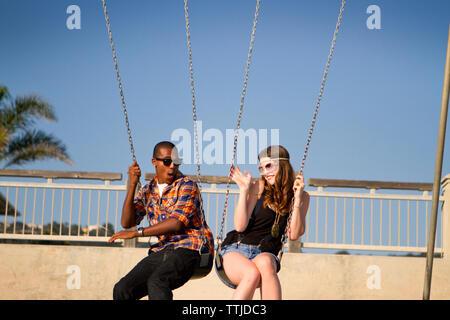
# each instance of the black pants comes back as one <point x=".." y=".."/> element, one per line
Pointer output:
<point x="157" y="275"/>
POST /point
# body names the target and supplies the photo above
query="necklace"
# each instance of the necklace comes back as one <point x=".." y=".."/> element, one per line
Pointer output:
<point x="275" y="232"/>
<point x="276" y="227"/>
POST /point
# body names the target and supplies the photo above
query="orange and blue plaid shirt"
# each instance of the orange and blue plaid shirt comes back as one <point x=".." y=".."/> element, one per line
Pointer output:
<point x="180" y="200"/>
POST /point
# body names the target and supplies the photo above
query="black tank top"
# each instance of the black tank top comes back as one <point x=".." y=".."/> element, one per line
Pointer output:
<point x="258" y="231"/>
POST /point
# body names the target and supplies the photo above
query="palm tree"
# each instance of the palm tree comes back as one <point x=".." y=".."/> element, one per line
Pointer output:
<point x="19" y="141"/>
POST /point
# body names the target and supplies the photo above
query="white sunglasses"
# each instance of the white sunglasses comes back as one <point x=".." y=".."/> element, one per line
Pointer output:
<point x="270" y="167"/>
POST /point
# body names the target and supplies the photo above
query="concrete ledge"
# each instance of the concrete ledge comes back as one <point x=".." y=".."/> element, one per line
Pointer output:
<point x="49" y="272"/>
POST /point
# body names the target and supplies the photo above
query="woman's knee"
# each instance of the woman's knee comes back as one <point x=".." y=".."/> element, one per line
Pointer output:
<point x="252" y="274"/>
<point x="265" y="264"/>
<point x="239" y="268"/>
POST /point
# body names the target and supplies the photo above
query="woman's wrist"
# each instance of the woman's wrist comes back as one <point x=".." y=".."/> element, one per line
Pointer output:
<point x="297" y="202"/>
<point x="244" y="190"/>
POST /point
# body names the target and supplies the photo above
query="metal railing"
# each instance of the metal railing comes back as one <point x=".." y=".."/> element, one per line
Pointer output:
<point x="369" y="221"/>
<point x="57" y="211"/>
<point x="91" y="212"/>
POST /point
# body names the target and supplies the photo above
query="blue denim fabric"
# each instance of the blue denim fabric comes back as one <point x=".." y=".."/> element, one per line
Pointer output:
<point x="248" y="250"/>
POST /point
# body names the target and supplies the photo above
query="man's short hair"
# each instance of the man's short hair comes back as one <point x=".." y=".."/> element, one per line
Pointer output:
<point x="162" y="144"/>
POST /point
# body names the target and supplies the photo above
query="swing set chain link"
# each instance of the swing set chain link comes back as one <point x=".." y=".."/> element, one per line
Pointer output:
<point x="238" y="126"/>
<point x="191" y="73"/>
<point x="122" y="96"/>
<point x="316" y="111"/>
<point x="194" y="116"/>
<point x="322" y="86"/>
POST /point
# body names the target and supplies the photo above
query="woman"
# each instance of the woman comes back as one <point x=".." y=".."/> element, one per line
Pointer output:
<point x="250" y="251"/>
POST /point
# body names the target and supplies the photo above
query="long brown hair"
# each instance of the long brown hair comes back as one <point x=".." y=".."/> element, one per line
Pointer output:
<point x="279" y="195"/>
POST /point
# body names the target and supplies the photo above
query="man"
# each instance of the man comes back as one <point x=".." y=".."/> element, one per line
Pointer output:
<point x="172" y="203"/>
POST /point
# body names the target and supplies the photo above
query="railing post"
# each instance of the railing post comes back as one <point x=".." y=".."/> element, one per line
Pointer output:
<point x="130" y="243"/>
<point x="295" y="246"/>
<point x="446" y="217"/>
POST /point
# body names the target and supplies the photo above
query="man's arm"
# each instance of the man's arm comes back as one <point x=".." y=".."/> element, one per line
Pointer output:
<point x="167" y="226"/>
<point x="183" y="210"/>
<point x="128" y="218"/>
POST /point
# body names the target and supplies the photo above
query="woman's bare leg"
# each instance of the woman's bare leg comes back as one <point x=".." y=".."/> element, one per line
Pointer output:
<point x="270" y="284"/>
<point x="242" y="272"/>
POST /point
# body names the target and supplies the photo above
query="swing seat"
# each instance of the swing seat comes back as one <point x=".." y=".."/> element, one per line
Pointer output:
<point x="204" y="266"/>
<point x="220" y="271"/>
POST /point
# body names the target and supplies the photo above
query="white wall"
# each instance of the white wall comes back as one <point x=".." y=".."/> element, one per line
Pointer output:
<point x="41" y="272"/>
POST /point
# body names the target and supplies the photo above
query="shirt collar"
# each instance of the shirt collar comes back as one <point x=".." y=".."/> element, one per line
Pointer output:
<point x="177" y="178"/>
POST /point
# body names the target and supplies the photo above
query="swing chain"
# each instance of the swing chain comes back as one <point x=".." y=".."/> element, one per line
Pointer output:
<point x="241" y="108"/>
<point x="122" y="96"/>
<point x="316" y="111"/>
<point x="194" y="116"/>
<point x="322" y="86"/>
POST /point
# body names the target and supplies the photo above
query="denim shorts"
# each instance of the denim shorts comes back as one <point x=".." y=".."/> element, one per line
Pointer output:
<point x="248" y="250"/>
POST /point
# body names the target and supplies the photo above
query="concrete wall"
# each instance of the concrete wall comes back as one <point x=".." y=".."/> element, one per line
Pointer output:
<point x="50" y="272"/>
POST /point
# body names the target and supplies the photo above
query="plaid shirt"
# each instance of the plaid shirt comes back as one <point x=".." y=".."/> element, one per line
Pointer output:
<point x="180" y="200"/>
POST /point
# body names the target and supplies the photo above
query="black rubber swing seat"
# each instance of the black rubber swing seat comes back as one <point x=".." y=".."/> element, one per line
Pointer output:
<point x="218" y="266"/>
<point x="204" y="266"/>
<point x="220" y="271"/>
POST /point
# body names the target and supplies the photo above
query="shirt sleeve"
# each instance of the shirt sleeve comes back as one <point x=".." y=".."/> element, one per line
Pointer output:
<point x="139" y="204"/>
<point x="187" y="203"/>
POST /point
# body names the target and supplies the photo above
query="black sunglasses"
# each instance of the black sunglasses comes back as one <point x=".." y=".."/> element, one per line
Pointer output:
<point x="168" y="161"/>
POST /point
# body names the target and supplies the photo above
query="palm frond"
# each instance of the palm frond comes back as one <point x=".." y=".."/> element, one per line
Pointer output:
<point x="35" y="145"/>
<point x="19" y="143"/>
<point x="5" y="137"/>
<point x="32" y="106"/>
<point x="4" y="94"/>
<point x="24" y="110"/>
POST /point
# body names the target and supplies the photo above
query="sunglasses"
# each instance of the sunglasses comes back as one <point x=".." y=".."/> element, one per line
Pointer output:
<point x="271" y="167"/>
<point x="168" y="161"/>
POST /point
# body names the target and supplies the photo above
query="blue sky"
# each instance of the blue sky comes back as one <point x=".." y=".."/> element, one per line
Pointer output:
<point x="379" y="114"/>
